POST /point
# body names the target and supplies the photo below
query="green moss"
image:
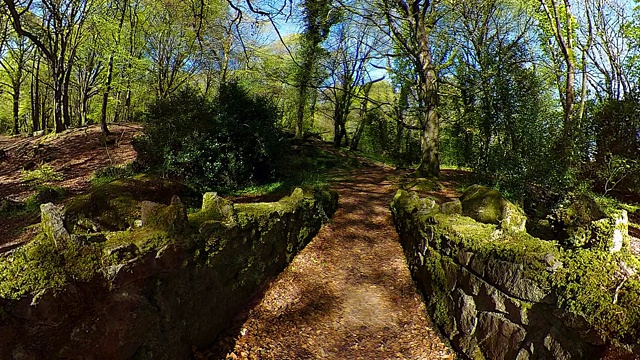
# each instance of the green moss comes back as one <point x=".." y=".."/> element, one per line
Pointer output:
<point x="145" y="238"/>
<point x="434" y="269"/>
<point x="587" y="285"/>
<point x="40" y="265"/>
<point x="116" y="205"/>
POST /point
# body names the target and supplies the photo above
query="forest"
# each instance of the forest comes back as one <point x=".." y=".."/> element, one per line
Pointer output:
<point x="193" y="102"/>
<point x="522" y="92"/>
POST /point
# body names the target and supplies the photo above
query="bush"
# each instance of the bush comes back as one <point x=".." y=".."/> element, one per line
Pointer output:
<point x="223" y="144"/>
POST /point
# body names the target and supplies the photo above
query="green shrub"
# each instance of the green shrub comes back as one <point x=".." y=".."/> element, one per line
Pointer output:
<point x="223" y="144"/>
<point x="43" y="173"/>
<point x="47" y="193"/>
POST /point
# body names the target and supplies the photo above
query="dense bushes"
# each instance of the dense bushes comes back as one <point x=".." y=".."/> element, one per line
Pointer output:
<point x="225" y="143"/>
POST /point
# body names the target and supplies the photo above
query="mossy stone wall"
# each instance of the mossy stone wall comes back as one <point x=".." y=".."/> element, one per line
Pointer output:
<point x="172" y="291"/>
<point x="507" y="295"/>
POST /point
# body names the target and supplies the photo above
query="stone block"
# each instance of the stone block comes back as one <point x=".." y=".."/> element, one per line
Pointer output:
<point x="464" y="257"/>
<point x="52" y="224"/>
<point x="466" y="314"/>
<point x="470" y="283"/>
<point x="478" y="265"/>
<point x="611" y="233"/>
<point x="217" y="207"/>
<point x="499" y="338"/>
<point x="510" y="278"/>
<point x="171" y="217"/>
<point x="488" y="206"/>
<point x="451" y="208"/>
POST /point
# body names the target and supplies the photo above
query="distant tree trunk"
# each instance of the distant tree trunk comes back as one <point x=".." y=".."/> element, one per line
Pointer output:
<point x="65" y="95"/>
<point x="105" y="96"/>
<point x="107" y="91"/>
<point x="302" y="104"/>
<point x="35" y="96"/>
<point x="364" y="119"/>
<point x="16" y="110"/>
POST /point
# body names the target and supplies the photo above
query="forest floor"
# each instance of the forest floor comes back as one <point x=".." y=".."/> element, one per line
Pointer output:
<point x="348" y="294"/>
<point x="72" y="156"/>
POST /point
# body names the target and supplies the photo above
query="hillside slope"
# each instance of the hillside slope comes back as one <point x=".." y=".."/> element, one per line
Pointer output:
<point x="71" y="157"/>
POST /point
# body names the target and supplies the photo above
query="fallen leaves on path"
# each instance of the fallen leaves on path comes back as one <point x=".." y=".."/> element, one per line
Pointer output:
<point x="347" y="295"/>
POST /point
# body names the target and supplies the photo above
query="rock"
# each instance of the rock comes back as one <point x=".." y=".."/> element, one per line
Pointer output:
<point x="88" y="238"/>
<point x="611" y="233"/>
<point x="509" y="277"/>
<point x="87" y="225"/>
<point x="217" y="207"/>
<point x="553" y="264"/>
<point x="464" y="257"/>
<point x="123" y="253"/>
<point x="495" y="299"/>
<point x="572" y="218"/>
<point x="451" y="208"/>
<point x="52" y="223"/>
<point x="466" y="314"/>
<point x="149" y="210"/>
<point x="554" y="346"/>
<point x="478" y="265"/>
<point x="498" y="337"/>
<point x="523" y="354"/>
<point x="470" y="283"/>
<point x="468" y="345"/>
<point x="172" y="217"/>
<point x="488" y="206"/>
<point x="413" y="203"/>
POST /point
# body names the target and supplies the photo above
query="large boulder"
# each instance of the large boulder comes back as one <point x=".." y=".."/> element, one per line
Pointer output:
<point x="580" y="221"/>
<point x="488" y="206"/>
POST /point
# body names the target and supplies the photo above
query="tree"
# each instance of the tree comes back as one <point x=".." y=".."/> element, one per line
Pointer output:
<point x="318" y="17"/>
<point x="14" y="63"/>
<point x="560" y="23"/>
<point x="410" y="24"/>
<point x="347" y="64"/>
<point x="55" y="28"/>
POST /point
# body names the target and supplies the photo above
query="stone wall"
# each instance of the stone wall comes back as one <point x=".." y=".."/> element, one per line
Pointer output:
<point x="156" y="291"/>
<point x="500" y="294"/>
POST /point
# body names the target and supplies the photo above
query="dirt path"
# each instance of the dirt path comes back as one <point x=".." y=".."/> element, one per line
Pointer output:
<point x="347" y="295"/>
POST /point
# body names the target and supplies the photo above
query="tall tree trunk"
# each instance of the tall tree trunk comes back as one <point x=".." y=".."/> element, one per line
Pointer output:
<point x="302" y="103"/>
<point x="43" y="114"/>
<point x="35" y="96"/>
<point x="429" y="121"/>
<point x="364" y="119"/>
<point x="105" y="97"/>
<point x="66" y="113"/>
<point x="58" y="105"/>
<point x="16" y="110"/>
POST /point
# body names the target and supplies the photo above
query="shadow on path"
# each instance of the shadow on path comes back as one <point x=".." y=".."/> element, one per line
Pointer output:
<point x="347" y="295"/>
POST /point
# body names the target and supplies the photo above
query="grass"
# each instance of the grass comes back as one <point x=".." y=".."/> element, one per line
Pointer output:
<point x="42" y="174"/>
<point x="110" y="173"/>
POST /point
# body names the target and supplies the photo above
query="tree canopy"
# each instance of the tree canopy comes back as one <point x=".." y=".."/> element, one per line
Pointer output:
<point x="513" y="89"/>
